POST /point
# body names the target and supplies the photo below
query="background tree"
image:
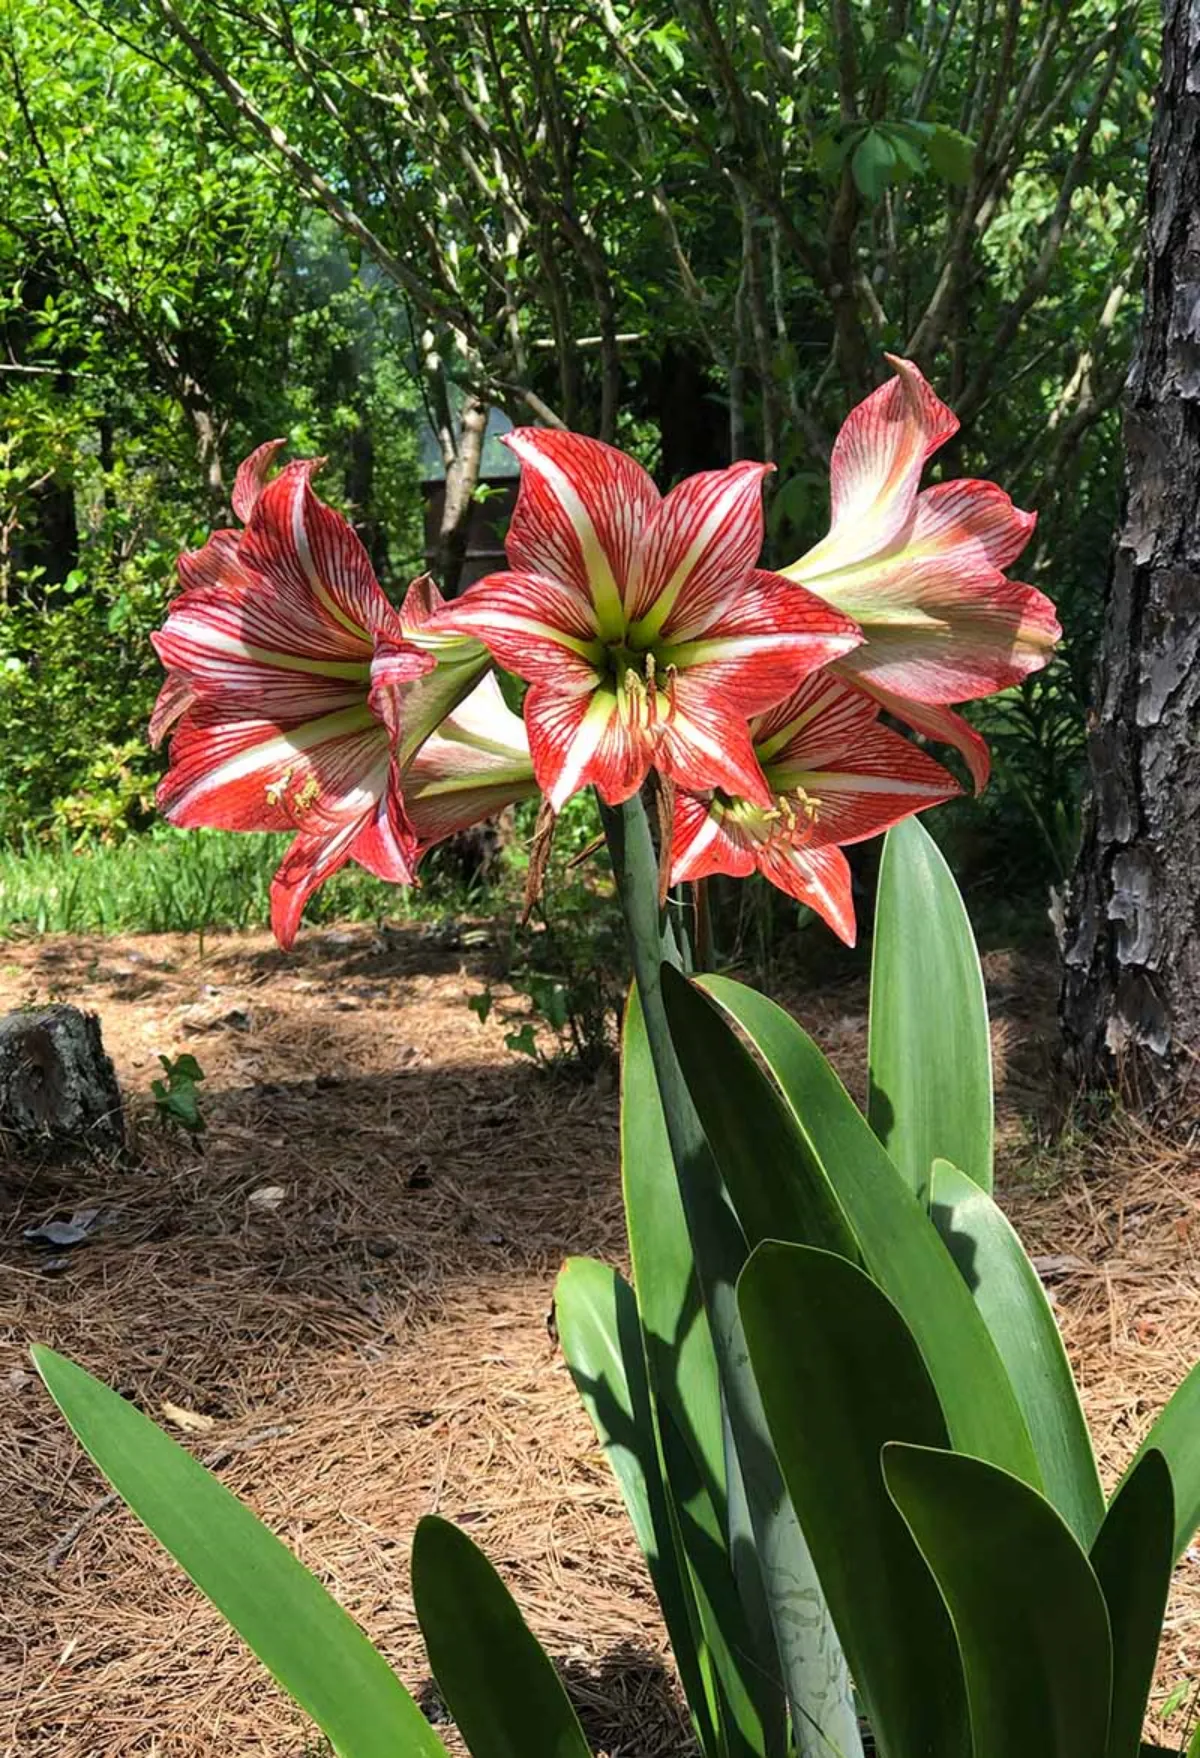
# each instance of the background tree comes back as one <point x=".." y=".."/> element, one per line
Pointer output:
<point x="1131" y="995"/>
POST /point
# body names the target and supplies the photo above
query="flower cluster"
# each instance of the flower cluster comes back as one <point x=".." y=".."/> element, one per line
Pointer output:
<point x="649" y="640"/>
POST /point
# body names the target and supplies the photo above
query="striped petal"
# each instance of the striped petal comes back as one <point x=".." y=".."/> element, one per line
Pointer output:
<point x="386" y="844"/>
<point x="708" y="838"/>
<point x="703" y="742"/>
<point x="475" y="764"/>
<point x="940" y="724"/>
<point x="255" y="775"/>
<point x="580" y="510"/>
<point x="876" y="468"/>
<point x="836" y="773"/>
<point x="174" y="699"/>
<point x="533" y="625"/>
<point x="696" y="552"/>
<point x="252" y="477"/>
<point x="942" y="622"/>
<point x="757" y="651"/>
<point x="582" y="741"/>
<point x="308" y="863"/>
<point x="321" y="574"/>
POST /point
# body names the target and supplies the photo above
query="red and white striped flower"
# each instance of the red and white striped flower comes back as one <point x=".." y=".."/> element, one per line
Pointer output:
<point x="476" y="763"/>
<point x="923" y="572"/>
<point x="286" y="675"/>
<point x="836" y="777"/>
<point x="646" y="632"/>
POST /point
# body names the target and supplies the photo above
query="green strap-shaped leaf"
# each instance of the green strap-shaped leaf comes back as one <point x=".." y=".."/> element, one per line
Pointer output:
<point x="840" y="1376"/>
<point x="601" y="1341"/>
<point x="1027" y="1609"/>
<point x="1176" y="1435"/>
<point x="496" y="1679"/>
<point x="1012" y="1302"/>
<point x="930" y="1052"/>
<point x="302" y="1636"/>
<point x="828" y="1144"/>
<point x="749" y="1129"/>
<point x="777" y="1571"/>
<point x="1132" y="1559"/>
<point x="685" y="1390"/>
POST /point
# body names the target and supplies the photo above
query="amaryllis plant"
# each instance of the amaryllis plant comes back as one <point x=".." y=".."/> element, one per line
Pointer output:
<point x="834" y="1396"/>
<point x="651" y="643"/>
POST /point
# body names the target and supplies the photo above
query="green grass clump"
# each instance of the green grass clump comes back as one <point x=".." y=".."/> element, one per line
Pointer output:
<point x="169" y="881"/>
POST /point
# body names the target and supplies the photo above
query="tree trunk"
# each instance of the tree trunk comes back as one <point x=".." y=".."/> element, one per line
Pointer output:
<point x="462" y="479"/>
<point x="1131" y="989"/>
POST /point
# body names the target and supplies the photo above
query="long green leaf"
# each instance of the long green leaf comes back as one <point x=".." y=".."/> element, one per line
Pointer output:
<point x="601" y="1339"/>
<point x="1028" y="1611"/>
<point x="302" y="1636"/>
<point x="495" y="1677"/>
<point x="1176" y="1435"/>
<point x="830" y="1145"/>
<point x="1133" y="1561"/>
<point x="749" y="1130"/>
<point x="929" y="1048"/>
<point x="840" y="1376"/>
<point x="1005" y="1287"/>
<point x="685" y="1389"/>
<point x="776" y="1573"/>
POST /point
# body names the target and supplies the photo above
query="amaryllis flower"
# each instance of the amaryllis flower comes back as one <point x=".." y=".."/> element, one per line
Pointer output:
<point x="646" y="632"/>
<point x="836" y="777"/>
<point x="923" y="572"/>
<point x="475" y="764"/>
<point x="287" y="669"/>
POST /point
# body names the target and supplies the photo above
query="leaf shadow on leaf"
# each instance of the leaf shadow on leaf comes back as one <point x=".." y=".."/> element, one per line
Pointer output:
<point x="962" y="1248"/>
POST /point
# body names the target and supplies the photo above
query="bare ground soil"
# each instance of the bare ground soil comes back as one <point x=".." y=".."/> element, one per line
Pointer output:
<point x="343" y="1300"/>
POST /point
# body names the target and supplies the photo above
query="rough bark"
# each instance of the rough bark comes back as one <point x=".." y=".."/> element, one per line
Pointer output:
<point x="1131" y="989"/>
<point x="58" y="1091"/>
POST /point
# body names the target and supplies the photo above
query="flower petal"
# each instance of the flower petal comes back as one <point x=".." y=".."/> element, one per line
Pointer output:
<point x="316" y="562"/>
<point x="841" y="775"/>
<point x="581" y="741"/>
<point x="311" y="860"/>
<point x="532" y="625"/>
<point x="940" y="724"/>
<point x="255" y="775"/>
<point x="386" y="844"/>
<point x="704" y="742"/>
<point x="818" y="877"/>
<point x="942" y="622"/>
<point x="696" y="551"/>
<point x="704" y="841"/>
<point x="708" y="838"/>
<point x="475" y="764"/>
<point x="876" y="468"/>
<point x="174" y="699"/>
<point x="252" y="477"/>
<point x="579" y="511"/>
<point x="762" y="645"/>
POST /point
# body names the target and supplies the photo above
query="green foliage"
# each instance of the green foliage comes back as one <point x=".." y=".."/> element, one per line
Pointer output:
<point x="177" y="1098"/>
<point x="757" y="215"/>
<point x="499" y="1684"/>
<point x="914" y="1391"/>
<point x="186" y="882"/>
<point x="930" y="1051"/>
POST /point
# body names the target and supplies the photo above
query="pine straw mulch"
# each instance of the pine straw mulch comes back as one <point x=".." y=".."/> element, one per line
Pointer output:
<point x="374" y="1346"/>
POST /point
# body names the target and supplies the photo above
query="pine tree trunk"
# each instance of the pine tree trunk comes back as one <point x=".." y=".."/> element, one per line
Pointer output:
<point x="1131" y="989"/>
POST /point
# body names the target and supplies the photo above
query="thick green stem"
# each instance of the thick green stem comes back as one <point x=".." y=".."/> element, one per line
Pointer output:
<point x="776" y="1577"/>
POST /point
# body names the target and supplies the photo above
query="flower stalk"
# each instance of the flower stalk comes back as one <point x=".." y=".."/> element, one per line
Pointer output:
<point x="777" y="1577"/>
